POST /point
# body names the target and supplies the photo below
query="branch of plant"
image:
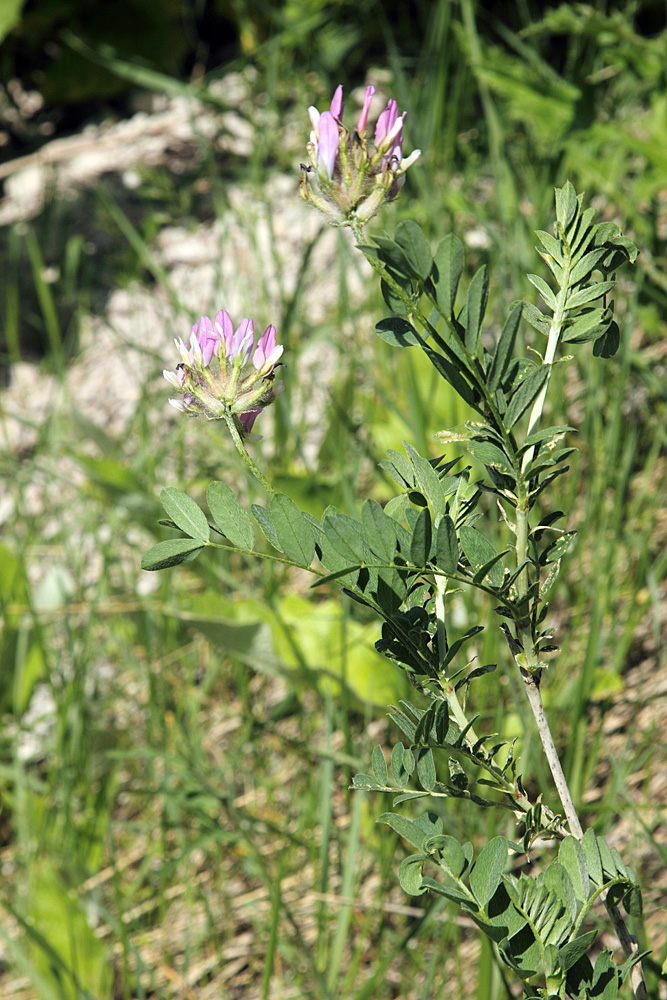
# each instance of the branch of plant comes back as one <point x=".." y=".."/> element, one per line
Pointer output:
<point x="241" y="448"/>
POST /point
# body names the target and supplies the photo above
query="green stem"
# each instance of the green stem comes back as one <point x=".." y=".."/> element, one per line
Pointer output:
<point x="448" y="689"/>
<point x="241" y="448"/>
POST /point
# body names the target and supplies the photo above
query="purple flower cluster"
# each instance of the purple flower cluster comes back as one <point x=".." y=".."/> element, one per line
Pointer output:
<point x="220" y="373"/>
<point x="354" y="175"/>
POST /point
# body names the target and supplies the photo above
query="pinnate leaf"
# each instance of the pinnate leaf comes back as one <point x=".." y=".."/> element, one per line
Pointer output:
<point x="294" y="534"/>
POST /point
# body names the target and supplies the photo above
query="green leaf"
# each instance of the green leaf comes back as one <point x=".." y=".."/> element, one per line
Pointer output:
<point x="608" y="343"/>
<point x="404" y="827"/>
<point x="396" y="332"/>
<point x="452" y="857"/>
<point x="410" y="874"/>
<point x="398" y="764"/>
<point x="380" y="530"/>
<point x="571" y="856"/>
<point x="420" y="548"/>
<point x="566" y="205"/>
<point x="366" y="781"/>
<point x="536" y="318"/>
<point x="544" y="290"/>
<point x="426" y="479"/>
<point x="571" y="952"/>
<point x="586" y="265"/>
<point x="449" y="259"/>
<point x="379" y="765"/>
<point x="632" y="901"/>
<point x="230" y="516"/>
<point x="170" y="553"/>
<point x="415" y="246"/>
<point x="265" y="520"/>
<point x="582" y="296"/>
<point x="590" y="325"/>
<point x="504" y="348"/>
<point x="592" y="854"/>
<point x="551" y="245"/>
<point x="447" y="546"/>
<point x="344" y="535"/>
<point x="491" y="455"/>
<point x="488" y="870"/>
<point x="528" y="390"/>
<point x="426" y="769"/>
<point x="558" y="548"/>
<point x="452" y="374"/>
<point x="557" y="880"/>
<point x="294" y="534"/>
<point x="185" y="513"/>
<point x="478" y="294"/>
<point x="479" y="552"/>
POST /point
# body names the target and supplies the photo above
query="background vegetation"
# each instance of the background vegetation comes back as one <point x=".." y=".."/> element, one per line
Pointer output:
<point x="175" y="752"/>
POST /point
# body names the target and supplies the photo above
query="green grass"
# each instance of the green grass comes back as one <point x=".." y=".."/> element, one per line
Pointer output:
<point x="183" y="826"/>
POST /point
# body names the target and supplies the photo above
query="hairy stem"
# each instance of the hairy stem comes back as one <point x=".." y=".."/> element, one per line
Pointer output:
<point x="241" y="448"/>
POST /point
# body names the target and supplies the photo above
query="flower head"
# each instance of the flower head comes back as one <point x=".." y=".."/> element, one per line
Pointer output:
<point x="353" y="175"/>
<point x="220" y="374"/>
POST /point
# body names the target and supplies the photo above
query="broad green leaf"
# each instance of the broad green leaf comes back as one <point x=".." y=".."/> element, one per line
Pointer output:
<point x="402" y="467"/>
<point x="491" y="455"/>
<point x="632" y="901"/>
<point x="379" y="765"/>
<point x="404" y="827"/>
<point x="410" y="874"/>
<point x="344" y="535"/>
<point x="571" y="952"/>
<point x="415" y="246"/>
<point x="170" y="553"/>
<point x="394" y="301"/>
<point x="380" y="530"/>
<point x="264" y="519"/>
<point x="292" y="530"/>
<point x="455" y="895"/>
<point x="478" y="294"/>
<point x="504" y="348"/>
<point x="571" y="856"/>
<point x="229" y="515"/>
<point x="449" y="259"/>
<point x="479" y="552"/>
<point x="544" y="290"/>
<point x="397" y="332"/>
<point x="420" y="549"/>
<point x="426" y="769"/>
<point x="526" y="393"/>
<point x="488" y="869"/>
<point x="447" y="546"/>
<point x="185" y="513"/>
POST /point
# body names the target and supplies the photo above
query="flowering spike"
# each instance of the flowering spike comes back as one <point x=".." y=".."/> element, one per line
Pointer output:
<point x="214" y="377"/>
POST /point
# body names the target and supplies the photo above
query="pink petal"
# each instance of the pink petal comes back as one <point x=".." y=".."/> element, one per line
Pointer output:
<point x="248" y="419"/>
<point x="337" y="105"/>
<point x="329" y="142"/>
<point x="225" y="328"/>
<point x="363" y="117"/>
<point x="386" y="121"/>
<point x="243" y="339"/>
